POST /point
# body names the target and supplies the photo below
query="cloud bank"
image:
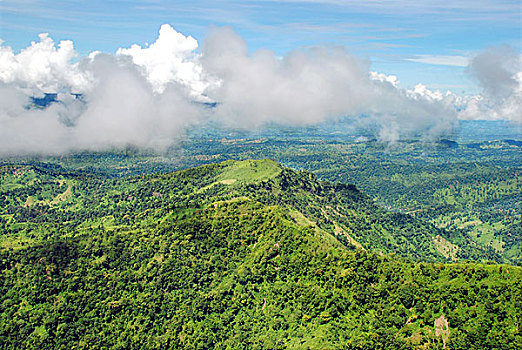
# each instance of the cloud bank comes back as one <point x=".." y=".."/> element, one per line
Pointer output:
<point x="118" y="109"/>
<point x="310" y="86"/>
<point x="146" y="96"/>
<point x="498" y="71"/>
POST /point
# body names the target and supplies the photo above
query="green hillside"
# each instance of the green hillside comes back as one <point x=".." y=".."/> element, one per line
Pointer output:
<point x="40" y="200"/>
<point x="236" y="255"/>
<point x="471" y="190"/>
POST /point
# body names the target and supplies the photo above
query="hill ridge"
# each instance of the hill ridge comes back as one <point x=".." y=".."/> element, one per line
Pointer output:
<point x="150" y="262"/>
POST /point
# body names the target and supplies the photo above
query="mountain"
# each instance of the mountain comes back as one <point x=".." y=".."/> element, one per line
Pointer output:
<point x="235" y="255"/>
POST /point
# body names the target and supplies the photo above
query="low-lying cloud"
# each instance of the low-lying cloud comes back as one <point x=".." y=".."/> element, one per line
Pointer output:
<point x="301" y="88"/>
<point x="146" y="96"/>
<point x="498" y="71"/>
<point x="311" y="86"/>
<point x="119" y="109"/>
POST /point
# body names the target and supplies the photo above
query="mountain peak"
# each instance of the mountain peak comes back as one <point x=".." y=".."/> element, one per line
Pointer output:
<point x="249" y="170"/>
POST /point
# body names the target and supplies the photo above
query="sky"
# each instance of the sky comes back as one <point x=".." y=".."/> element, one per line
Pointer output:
<point x="146" y="70"/>
<point x="419" y="41"/>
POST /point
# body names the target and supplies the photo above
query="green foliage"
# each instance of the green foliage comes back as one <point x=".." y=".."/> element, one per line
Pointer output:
<point x="75" y="203"/>
<point x="472" y="190"/>
<point x="275" y="259"/>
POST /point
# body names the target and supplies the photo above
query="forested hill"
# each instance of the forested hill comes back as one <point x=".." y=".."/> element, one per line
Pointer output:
<point x="235" y="255"/>
<point x="36" y="197"/>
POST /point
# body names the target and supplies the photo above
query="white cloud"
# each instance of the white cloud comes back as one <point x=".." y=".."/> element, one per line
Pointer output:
<point x="310" y="86"/>
<point x="442" y="60"/>
<point x="171" y="58"/>
<point x="422" y="91"/>
<point x="302" y="87"/>
<point x="499" y="72"/>
<point x="42" y="67"/>
<point x="392" y="79"/>
<point x="29" y="131"/>
<point x="145" y="96"/>
<point x="120" y="109"/>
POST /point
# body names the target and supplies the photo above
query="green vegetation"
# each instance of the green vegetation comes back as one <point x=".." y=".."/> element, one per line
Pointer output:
<point x="50" y="198"/>
<point x="236" y="255"/>
<point x="471" y="189"/>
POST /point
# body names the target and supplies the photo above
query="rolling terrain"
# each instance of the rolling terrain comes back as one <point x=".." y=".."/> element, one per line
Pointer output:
<point x="236" y="255"/>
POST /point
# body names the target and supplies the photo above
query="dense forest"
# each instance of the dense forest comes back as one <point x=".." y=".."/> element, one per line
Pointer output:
<point x="471" y="189"/>
<point x="237" y="255"/>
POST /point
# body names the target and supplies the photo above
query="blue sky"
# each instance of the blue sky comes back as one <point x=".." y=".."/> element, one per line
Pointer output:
<point x="419" y="41"/>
